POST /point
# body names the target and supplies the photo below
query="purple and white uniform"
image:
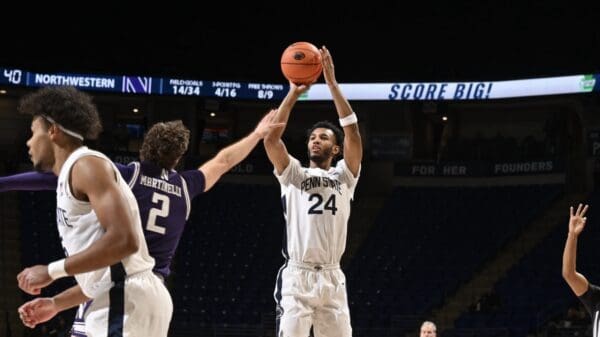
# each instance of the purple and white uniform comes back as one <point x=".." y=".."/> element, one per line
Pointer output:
<point x="164" y="201"/>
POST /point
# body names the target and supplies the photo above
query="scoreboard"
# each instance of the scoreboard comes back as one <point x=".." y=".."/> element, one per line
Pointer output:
<point x="147" y="85"/>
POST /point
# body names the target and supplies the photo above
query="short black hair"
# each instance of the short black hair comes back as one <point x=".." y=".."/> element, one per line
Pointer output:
<point x="67" y="106"/>
<point x="339" y="134"/>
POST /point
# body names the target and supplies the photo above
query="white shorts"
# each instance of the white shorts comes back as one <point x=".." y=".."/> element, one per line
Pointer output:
<point x="143" y="307"/>
<point x="312" y="295"/>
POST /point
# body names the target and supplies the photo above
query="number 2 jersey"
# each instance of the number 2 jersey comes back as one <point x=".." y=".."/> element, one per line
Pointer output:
<point x="164" y="199"/>
<point x="316" y="207"/>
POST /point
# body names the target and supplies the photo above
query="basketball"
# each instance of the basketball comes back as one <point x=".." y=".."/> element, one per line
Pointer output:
<point x="301" y="63"/>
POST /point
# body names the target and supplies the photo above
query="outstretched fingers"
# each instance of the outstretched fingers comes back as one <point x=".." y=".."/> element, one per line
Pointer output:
<point x="577" y="213"/>
<point x="580" y="212"/>
<point x="270" y="117"/>
<point x="325" y="55"/>
<point x="571" y="211"/>
<point x="584" y="211"/>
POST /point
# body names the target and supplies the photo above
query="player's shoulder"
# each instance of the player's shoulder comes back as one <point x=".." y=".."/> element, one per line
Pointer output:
<point x="593" y="289"/>
<point x="134" y="163"/>
<point x="297" y="164"/>
<point x="293" y="167"/>
<point x="592" y="294"/>
<point x="129" y="168"/>
<point x="89" y="171"/>
<point x="340" y="166"/>
<point x="294" y="161"/>
<point x="91" y="163"/>
<point x="84" y="155"/>
<point x="189" y="175"/>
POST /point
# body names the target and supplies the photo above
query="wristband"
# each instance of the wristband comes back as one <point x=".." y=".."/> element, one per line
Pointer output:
<point x="57" y="270"/>
<point x="348" y="120"/>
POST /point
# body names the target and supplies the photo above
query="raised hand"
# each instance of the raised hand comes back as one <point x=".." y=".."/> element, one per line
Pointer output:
<point x="578" y="219"/>
<point x="37" y="311"/>
<point x="328" y="68"/>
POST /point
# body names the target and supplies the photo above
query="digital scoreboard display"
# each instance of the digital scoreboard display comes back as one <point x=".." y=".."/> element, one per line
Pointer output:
<point x="239" y="90"/>
<point x="146" y="85"/>
<point x="12" y="76"/>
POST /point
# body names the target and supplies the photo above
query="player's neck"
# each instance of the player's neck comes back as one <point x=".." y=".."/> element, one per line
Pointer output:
<point x="61" y="154"/>
<point x="323" y="165"/>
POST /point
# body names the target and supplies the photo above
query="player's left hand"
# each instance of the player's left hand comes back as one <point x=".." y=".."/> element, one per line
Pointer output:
<point x="33" y="279"/>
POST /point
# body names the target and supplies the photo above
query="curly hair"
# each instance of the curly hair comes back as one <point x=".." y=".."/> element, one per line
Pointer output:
<point x="339" y="134"/>
<point x="165" y="143"/>
<point x="67" y="106"/>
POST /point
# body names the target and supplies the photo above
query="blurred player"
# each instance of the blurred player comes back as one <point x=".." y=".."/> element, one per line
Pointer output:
<point x="311" y="288"/>
<point x="99" y="225"/>
<point x="588" y="294"/>
<point x="163" y="195"/>
<point x="428" y="329"/>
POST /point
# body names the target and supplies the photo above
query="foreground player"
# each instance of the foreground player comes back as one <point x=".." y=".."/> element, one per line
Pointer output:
<point x="311" y="288"/>
<point x="163" y="194"/>
<point x="98" y="222"/>
<point x="587" y="293"/>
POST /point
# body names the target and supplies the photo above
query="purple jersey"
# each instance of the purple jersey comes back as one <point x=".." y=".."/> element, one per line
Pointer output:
<point x="164" y="201"/>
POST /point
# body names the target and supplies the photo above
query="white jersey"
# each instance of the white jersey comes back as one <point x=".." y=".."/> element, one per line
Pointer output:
<point x="79" y="228"/>
<point x="316" y="205"/>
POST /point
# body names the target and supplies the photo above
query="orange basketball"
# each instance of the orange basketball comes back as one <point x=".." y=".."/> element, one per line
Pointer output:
<point x="301" y="63"/>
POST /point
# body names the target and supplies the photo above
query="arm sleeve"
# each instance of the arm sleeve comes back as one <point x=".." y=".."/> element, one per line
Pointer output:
<point x="591" y="298"/>
<point x="194" y="179"/>
<point x="29" y="181"/>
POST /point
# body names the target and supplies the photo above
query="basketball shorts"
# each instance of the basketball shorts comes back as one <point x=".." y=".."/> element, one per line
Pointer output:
<point x="139" y="306"/>
<point x="311" y="295"/>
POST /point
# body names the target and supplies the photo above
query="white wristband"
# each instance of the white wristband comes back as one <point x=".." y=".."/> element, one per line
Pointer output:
<point x="57" y="270"/>
<point x="348" y="120"/>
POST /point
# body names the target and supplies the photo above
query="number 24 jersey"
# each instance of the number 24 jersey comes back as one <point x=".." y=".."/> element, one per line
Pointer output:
<point x="316" y="207"/>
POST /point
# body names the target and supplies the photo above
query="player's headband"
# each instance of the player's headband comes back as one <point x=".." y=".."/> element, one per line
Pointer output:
<point x="65" y="130"/>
